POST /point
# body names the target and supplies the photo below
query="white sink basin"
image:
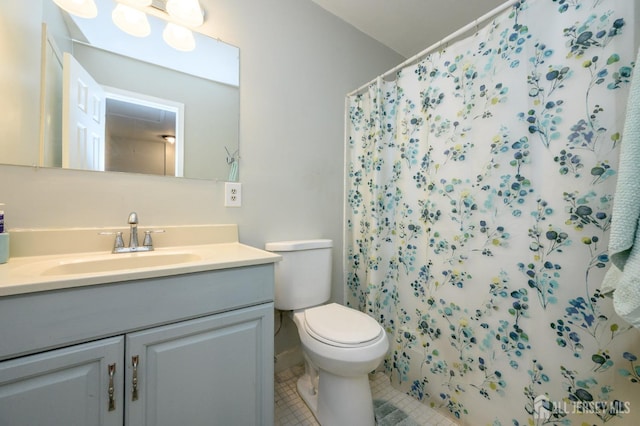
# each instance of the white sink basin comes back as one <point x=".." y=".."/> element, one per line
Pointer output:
<point x="114" y="262"/>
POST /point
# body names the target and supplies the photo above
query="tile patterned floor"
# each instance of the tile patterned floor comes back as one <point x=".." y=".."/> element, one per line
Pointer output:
<point x="290" y="410"/>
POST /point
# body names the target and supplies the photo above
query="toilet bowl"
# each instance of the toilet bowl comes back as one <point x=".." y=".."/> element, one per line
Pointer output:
<point x="335" y="385"/>
<point x="340" y="345"/>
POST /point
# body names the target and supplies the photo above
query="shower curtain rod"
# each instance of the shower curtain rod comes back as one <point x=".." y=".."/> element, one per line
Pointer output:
<point x="445" y="40"/>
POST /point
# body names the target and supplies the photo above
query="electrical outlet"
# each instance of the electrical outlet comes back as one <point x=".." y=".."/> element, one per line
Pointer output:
<point x="232" y="194"/>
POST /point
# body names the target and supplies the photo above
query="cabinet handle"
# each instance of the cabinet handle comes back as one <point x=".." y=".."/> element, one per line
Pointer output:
<point x="134" y="380"/>
<point x="111" y="389"/>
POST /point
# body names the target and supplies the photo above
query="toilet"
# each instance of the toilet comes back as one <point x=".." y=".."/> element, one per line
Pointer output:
<point x="340" y="345"/>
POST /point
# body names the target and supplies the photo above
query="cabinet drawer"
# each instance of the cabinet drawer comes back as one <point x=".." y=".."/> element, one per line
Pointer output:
<point x="41" y="321"/>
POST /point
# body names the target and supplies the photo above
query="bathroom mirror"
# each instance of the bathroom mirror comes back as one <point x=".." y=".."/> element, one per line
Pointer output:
<point x="202" y="97"/>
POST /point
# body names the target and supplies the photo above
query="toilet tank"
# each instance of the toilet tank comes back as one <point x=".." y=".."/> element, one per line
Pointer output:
<point x="303" y="276"/>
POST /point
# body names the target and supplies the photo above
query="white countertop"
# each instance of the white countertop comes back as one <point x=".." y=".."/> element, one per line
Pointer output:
<point x="25" y="274"/>
<point x="29" y="274"/>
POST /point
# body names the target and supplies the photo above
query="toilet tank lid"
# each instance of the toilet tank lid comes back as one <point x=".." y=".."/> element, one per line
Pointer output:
<point x="298" y="245"/>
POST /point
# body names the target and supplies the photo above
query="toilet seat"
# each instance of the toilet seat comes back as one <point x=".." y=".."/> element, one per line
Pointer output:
<point x="337" y="325"/>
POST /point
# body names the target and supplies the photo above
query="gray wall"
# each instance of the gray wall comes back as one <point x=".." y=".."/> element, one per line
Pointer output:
<point x="297" y="63"/>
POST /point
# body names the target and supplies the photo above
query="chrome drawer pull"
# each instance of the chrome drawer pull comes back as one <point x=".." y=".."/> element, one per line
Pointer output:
<point x="111" y="389"/>
<point x="134" y="381"/>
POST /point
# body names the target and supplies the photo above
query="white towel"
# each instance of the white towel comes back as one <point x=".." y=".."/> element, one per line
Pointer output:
<point x="623" y="277"/>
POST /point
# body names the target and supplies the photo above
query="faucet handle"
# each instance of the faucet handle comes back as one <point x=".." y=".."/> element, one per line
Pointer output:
<point x="148" y="242"/>
<point x="119" y="242"/>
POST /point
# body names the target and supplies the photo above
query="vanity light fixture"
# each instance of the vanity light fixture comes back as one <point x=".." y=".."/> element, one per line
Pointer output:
<point x="130" y="17"/>
<point x="81" y="8"/>
<point x="169" y="138"/>
<point x="131" y="21"/>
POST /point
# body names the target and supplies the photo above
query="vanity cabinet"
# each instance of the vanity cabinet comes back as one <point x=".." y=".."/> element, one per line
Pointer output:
<point x="193" y="349"/>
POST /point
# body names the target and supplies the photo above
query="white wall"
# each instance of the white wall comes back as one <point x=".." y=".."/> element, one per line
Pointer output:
<point x="297" y="64"/>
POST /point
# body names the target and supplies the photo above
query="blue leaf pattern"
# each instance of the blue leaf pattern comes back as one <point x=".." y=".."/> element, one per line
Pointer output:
<point x="479" y="192"/>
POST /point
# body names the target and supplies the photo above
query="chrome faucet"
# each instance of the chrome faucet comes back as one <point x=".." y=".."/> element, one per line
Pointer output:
<point x="133" y="231"/>
<point x="147" y="243"/>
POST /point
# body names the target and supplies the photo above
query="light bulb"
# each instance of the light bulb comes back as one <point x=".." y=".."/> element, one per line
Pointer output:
<point x="186" y="12"/>
<point x="179" y="37"/>
<point x="131" y="21"/>
<point x="136" y="3"/>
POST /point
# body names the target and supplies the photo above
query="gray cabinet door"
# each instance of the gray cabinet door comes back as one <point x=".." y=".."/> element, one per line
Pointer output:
<point x="214" y="370"/>
<point x="69" y="386"/>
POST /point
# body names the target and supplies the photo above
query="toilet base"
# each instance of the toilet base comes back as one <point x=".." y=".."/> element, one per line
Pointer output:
<point x="308" y="394"/>
<point x="338" y="401"/>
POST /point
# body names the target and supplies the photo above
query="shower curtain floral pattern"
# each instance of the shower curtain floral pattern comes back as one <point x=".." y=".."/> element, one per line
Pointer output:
<point x="479" y="193"/>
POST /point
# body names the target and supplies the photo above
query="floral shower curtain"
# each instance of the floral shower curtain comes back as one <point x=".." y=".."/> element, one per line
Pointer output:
<point x="479" y="191"/>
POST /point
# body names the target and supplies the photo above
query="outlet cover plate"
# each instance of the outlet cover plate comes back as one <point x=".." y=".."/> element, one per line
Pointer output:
<point x="232" y="194"/>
